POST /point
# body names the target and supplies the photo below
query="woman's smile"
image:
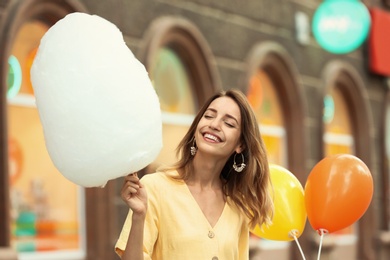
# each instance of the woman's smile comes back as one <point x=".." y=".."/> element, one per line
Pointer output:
<point x="212" y="138"/>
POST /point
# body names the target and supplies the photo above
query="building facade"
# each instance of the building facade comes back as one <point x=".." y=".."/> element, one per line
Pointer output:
<point x="309" y="102"/>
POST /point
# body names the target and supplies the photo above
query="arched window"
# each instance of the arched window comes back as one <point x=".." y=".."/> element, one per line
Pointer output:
<point x="19" y="88"/>
<point x="175" y="91"/>
<point x="41" y="210"/>
<point x="338" y="128"/>
<point x="182" y="71"/>
<point x="172" y="84"/>
<point x="265" y="102"/>
<point x="338" y="136"/>
<point x="346" y="124"/>
<point x="46" y="213"/>
<point x="278" y="103"/>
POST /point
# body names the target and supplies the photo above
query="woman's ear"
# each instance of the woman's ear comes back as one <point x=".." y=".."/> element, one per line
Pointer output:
<point x="240" y="148"/>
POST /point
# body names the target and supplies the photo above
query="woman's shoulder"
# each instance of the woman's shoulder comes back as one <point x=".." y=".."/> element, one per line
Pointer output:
<point x="160" y="178"/>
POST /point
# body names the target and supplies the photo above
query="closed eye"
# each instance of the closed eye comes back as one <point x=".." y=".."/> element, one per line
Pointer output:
<point x="231" y="125"/>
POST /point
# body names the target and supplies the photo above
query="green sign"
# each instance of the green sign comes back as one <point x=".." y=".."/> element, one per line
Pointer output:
<point x="14" y="79"/>
<point x="341" y="26"/>
<point x="328" y="109"/>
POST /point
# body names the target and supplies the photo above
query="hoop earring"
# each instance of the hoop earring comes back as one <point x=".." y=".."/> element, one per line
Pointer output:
<point x="193" y="148"/>
<point x="242" y="165"/>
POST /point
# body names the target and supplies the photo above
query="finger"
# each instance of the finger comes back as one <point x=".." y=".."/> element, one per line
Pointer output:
<point x="133" y="174"/>
<point x="129" y="192"/>
<point x="133" y="185"/>
<point x="129" y="184"/>
<point x="132" y="177"/>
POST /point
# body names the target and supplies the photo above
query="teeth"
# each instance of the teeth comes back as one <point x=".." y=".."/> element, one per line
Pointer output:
<point x="212" y="137"/>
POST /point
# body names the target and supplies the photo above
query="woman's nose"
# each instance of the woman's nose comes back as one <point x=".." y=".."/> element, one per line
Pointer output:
<point x="215" y="124"/>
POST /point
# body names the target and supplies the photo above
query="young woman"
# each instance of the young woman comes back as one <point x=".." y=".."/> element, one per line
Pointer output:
<point x="204" y="206"/>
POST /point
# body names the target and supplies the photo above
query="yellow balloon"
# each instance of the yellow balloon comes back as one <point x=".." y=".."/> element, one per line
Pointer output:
<point x="290" y="213"/>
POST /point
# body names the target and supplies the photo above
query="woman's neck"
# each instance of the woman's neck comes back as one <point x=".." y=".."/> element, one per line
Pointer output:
<point x="205" y="172"/>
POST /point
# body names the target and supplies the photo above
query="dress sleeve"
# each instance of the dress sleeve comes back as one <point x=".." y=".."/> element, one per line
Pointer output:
<point x="151" y="222"/>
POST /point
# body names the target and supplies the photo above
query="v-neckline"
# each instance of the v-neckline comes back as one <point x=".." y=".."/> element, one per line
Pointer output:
<point x="200" y="210"/>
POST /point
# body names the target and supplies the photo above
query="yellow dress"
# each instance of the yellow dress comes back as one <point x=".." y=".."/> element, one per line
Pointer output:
<point x="176" y="228"/>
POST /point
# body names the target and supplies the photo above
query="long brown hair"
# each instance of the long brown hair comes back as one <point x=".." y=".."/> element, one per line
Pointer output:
<point x="250" y="189"/>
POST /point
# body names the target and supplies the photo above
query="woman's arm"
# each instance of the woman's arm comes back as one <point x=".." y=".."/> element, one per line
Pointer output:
<point x="134" y="194"/>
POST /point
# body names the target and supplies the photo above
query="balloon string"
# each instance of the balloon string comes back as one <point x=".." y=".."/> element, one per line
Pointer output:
<point x="294" y="233"/>
<point x="300" y="249"/>
<point x="322" y="232"/>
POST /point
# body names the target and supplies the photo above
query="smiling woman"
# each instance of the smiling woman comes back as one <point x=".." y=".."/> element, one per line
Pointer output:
<point x="179" y="209"/>
<point x="218" y="131"/>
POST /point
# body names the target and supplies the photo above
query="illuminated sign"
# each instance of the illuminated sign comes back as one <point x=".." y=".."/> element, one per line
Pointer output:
<point x="341" y="26"/>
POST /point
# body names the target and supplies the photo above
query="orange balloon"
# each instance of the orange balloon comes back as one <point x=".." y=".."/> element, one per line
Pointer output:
<point x="338" y="192"/>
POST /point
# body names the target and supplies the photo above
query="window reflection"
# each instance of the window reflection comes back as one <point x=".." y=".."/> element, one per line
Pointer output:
<point x="265" y="102"/>
<point x="171" y="81"/>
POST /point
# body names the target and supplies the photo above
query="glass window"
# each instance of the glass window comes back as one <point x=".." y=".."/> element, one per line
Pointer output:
<point x="338" y="133"/>
<point x="47" y="210"/>
<point x="265" y="102"/>
<point x="171" y="81"/>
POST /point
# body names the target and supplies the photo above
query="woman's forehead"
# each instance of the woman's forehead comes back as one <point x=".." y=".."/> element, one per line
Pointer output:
<point x="225" y="105"/>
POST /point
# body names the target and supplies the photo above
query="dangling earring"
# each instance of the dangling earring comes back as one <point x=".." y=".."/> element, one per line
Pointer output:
<point x="193" y="147"/>
<point x="242" y="165"/>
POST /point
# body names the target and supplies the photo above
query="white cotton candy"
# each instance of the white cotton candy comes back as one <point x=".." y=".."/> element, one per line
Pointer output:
<point x="99" y="111"/>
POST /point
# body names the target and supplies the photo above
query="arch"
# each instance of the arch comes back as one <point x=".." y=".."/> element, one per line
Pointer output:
<point x="346" y="78"/>
<point x="276" y="62"/>
<point x="188" y="42"/>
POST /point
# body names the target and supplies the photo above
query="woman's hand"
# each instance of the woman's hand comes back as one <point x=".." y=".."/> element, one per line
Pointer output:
<point x="134" y="194"/>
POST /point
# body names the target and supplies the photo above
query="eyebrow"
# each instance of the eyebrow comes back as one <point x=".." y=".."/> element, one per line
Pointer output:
<point x="227" y="115"/>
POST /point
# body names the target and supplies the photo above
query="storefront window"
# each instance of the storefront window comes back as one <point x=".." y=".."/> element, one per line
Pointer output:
<point x="171" y="81"/>
<point x="47" y="210"/>
<point x="265" y="102"/>
<point x="338" y="133"/>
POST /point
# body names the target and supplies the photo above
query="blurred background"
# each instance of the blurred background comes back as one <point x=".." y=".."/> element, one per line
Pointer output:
<point x="316" y="73"/>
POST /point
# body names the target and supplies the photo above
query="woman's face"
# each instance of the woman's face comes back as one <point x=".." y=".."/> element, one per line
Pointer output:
<point x="219" y="130"/>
